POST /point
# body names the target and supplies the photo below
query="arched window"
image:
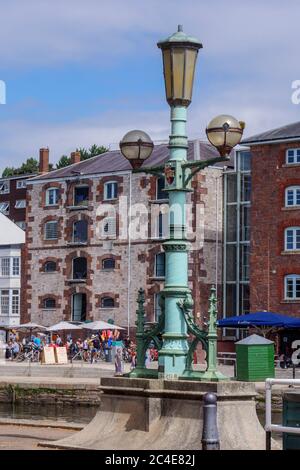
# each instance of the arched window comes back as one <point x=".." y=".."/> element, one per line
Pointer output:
<point x="50" y="267"/>
<point x="107" y="302"/>
<point x="108" y="263"/>
<point x="49" y="303"/>
<point x="79" y="268"/>
<point x="292" y="287"/>
<point x="51" y="230"/>
<point x="80" y="231"/>
<point x="292" y="196"/>
<point x="110" y="190"/>
<point x="52" y="195"/>
<point x="292" y="238"/>
<point x="160" y="268"/>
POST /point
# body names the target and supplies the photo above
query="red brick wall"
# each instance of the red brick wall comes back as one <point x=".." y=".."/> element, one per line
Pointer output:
<point x="269" y="218"/>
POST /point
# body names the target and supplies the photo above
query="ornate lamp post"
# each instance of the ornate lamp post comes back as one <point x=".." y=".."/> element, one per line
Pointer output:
<point x="224" y="132"/>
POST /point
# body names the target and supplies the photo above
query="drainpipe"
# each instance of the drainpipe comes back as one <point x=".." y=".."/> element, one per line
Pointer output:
<point x="129" y="255"/>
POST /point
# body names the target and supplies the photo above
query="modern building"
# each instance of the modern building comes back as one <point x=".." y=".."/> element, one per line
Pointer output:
<point x="85" y="260"/>
<point x="236" y="236"/>
<point x="12" y="239"/>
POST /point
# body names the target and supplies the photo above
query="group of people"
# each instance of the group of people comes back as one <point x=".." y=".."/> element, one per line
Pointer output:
<point x="98" y="346"/>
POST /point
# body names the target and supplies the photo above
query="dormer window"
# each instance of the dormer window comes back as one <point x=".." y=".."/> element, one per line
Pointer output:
<point x="292" y="156"/>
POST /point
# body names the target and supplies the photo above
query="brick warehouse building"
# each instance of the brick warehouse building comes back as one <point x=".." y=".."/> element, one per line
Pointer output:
<point x="275" y="220"/>
<point x="72" y="272"/>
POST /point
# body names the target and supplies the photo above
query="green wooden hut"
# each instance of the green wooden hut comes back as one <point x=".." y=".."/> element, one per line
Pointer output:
<point x="254" y="359"/>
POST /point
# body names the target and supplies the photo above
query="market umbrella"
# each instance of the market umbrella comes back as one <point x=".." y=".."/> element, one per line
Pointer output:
<point x="28" y="327"/>
<point x="271" y="319"/>
<point x="64" y="326"/>
<point x="101" y="325"/>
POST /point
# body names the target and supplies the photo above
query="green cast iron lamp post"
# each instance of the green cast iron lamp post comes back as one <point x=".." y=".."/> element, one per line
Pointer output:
<point x="179" y="53"/>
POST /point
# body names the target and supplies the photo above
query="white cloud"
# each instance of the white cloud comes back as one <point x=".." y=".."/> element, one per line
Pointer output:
<point x="248" y="63"/>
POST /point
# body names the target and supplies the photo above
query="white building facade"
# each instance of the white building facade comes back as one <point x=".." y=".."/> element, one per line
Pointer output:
<point x="11" y="240"/>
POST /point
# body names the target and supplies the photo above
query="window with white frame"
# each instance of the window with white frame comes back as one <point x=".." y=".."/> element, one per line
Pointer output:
<point x="20" y="204"/>
<point x="292" y="156"/>
<point x="292" y="196"/>
<point x="292" y="287"/>
<point x="4" y="187"/>
<point x="52" y="195"/>
<point x="292" y="238"/>
<point x="109" y="227"/>
<point x="5" y="267"/>
<point x="16" y="266"/>
<point x="15" y="302"/>
<point x="51" y="230"/>
<point x="4" y="302"/>
<point x="10" y="266"/>
<point x="21" y="184"/>
<point x="10" y="302"/>
<point x="4" y="207"/>
<point x="21" y="224"/>
<point x="110" y="190"/>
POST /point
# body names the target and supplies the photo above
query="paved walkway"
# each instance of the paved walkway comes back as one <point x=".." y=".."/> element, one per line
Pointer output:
<point x="27" y="437"/>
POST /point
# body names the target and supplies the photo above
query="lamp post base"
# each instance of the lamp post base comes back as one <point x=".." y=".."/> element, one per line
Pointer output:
<point x="142" y="373"/>
<point x="214" y="376"/>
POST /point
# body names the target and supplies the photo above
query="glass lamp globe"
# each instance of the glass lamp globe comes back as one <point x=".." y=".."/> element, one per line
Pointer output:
<point x="136" y="146"/>
<point x="224" y="132"/>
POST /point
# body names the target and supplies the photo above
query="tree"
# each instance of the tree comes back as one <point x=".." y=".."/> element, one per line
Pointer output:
<point x="63" y="161"/>
<point x="93" y="151"/>
<point x="29" y="167"/>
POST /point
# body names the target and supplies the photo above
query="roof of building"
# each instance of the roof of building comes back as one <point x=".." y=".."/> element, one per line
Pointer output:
<point x="10" y="233"/>
<point x="113" y="161"/>
<point x="254" y="340"/>
<point x="18" y="177"/>
<point x="290" y="131"/>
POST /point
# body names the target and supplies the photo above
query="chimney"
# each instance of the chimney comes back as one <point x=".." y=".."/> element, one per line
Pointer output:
<point x="44" y="160"/>
<point x="75" y="157"/>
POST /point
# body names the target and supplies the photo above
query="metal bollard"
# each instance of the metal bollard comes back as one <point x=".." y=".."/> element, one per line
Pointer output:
<point x="210" y="435"/>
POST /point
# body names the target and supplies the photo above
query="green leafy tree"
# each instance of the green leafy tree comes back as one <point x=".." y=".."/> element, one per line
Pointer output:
<point x="63" y="162"/>
<point x="93" y="151"/>
<point x="29" y="167"/>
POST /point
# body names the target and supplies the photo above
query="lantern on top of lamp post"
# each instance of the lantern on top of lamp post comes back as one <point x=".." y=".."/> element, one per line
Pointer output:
<point x="179" y="53"/>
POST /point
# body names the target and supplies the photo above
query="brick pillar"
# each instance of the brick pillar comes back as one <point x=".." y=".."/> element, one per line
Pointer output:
<point x="75" y="157"/>
<point x="44" y="160"/>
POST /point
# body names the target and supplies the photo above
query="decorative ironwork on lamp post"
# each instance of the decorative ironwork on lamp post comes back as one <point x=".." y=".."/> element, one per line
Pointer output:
<point x="179" y="53"/>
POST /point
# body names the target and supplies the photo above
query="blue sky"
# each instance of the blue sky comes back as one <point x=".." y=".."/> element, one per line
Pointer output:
<point x="79" y="73"/>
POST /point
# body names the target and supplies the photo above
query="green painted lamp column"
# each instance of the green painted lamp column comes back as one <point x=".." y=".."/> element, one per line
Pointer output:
<point x="179" y="58"/>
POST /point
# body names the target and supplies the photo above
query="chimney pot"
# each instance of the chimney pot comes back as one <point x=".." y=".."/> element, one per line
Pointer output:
<point x="75" y="157"/>
<point x="44" y="160"/>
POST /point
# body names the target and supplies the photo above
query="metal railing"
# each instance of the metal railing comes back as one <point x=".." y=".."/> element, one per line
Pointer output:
<point x="269" y="427"/>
